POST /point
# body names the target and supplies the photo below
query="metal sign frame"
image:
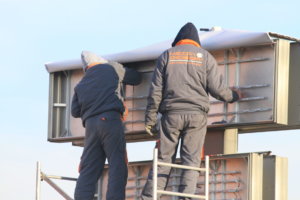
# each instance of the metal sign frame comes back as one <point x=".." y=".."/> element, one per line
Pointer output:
<point x="268" y="103"/>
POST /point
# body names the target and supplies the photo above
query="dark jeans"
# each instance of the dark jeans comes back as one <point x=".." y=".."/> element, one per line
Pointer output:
<point x="104" y="140"/>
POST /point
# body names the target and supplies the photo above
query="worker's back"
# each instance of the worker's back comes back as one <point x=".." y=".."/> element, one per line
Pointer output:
<point x="190" y="73"/>
<point x="99" y="91"/>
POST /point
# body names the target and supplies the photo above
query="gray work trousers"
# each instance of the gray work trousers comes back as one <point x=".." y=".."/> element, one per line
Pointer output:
<point x="104" y="140"/>
<point x="191" y="130"/>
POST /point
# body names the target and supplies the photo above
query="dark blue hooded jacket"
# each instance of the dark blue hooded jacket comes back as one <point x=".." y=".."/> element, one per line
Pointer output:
<point x="99" y="90"/>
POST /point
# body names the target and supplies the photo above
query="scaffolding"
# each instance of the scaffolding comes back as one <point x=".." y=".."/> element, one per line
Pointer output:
<point x="41" y="176"/>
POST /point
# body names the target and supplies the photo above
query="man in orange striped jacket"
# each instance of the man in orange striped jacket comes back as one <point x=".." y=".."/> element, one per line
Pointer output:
<point x="184" y="77"/>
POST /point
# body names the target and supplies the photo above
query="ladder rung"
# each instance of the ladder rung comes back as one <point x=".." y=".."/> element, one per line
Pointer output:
<point x="156" y="191"/>
<point x="180" y="166"/>
<point x="181" y="194"/>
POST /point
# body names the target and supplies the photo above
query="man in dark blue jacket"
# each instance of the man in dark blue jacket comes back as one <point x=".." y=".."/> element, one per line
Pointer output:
<point x="98" y="101"/>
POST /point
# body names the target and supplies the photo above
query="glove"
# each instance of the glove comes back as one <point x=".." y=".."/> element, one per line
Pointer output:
<point x="237" y="94"/>
<point x="148" y="130"/>
<point x="151" y="130"/>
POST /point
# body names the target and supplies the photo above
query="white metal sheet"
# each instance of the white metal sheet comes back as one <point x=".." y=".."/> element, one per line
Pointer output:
<point x="212" y="40"/>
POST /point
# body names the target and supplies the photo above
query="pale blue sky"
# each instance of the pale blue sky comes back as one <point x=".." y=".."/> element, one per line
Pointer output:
<point x="34" y="32"/>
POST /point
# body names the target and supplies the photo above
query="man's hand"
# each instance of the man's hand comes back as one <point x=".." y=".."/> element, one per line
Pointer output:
<point x="151" y="130"/>
<point x="238" y="92"/>
<point x="148" y="130"/>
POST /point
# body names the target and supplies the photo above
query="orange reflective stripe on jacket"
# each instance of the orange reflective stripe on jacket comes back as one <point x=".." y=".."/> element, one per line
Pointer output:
<point x="92" y="65"/>
<point x="187" y="41"/>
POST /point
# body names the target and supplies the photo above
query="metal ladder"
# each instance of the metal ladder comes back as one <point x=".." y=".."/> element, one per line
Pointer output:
<point x="156" y="191"/>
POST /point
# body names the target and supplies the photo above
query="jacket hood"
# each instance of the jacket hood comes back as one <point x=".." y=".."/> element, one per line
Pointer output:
<point x="89" y="59"/>
<point x="188" y="31"/>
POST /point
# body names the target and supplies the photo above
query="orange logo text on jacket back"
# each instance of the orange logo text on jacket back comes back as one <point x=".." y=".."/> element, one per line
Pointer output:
<point x="186" y="58"/>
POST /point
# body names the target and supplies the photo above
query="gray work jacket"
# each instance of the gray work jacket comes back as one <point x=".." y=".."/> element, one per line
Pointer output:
<point x="184" y="77"/>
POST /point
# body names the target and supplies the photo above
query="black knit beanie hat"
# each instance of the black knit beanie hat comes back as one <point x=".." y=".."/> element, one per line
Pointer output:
<point x="188" y="31"/>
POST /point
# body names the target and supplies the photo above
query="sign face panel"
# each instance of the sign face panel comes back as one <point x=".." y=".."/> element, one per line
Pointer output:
<point x="234" y="176"/>
<point x="253" y="70"/>
<point x="250" y="69"/>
